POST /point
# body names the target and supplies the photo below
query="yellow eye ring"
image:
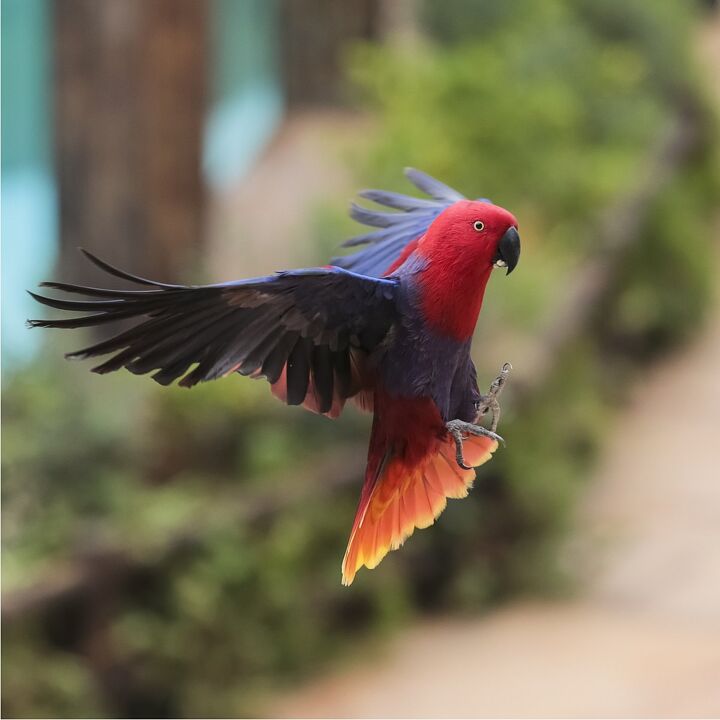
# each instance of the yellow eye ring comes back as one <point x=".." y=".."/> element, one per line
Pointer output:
<point x="479" y="225"/>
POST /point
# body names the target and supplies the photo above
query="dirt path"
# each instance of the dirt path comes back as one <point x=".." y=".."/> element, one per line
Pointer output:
<point x="643" y="640"/>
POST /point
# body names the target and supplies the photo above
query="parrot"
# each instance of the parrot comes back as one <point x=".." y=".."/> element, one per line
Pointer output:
<point x="388" y="327"/>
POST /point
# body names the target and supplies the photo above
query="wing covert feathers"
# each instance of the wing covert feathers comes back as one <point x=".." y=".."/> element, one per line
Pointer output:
<point x="306" y="331"/>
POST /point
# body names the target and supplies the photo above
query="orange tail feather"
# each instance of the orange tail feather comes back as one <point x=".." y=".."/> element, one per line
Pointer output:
<point x="402" y="499"/>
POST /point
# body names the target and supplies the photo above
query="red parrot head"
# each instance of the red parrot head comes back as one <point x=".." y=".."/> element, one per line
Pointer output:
<point x="482" y="234"/>
<point x="462" y="246"/>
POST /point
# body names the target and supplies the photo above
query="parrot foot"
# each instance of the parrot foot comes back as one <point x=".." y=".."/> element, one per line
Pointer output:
<point x="459" y="429"/>
<point x="489" y="403"/>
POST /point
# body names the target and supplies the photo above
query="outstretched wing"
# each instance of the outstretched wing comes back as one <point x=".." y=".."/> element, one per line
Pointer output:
<point x="395" y="230"/>
<point x="307" y="331"/>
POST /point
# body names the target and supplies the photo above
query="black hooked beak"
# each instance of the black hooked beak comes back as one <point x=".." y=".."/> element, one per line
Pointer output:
<point x="508" y="251"/>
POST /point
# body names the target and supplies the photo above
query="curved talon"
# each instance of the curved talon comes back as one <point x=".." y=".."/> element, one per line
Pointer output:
<point x="459" y="457"/>
<point x="487" y="403"/>
<point x="456" y="428"/>
<point x="490" y="434"/>
<point x="457" y="437"/>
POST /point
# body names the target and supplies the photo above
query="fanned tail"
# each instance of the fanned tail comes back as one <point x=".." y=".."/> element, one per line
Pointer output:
<point x="397" y="499"/>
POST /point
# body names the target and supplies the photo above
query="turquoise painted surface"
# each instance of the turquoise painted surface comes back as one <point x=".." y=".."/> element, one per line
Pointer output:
<point x="27" y="194"/>
<point x="246" y="109"/>
<point x="247" y="101"/>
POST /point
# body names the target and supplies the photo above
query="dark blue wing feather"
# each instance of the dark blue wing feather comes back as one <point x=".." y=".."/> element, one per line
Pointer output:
<point x="432" y="187"/>
<point x="395" y="229"/>
<point x="304" y="326"/>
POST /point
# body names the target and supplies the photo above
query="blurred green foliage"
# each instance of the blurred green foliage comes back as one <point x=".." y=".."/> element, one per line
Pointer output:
<point x="665" y="285"/>
<point x="549" y="108"/>
<point x="227" y="505"/>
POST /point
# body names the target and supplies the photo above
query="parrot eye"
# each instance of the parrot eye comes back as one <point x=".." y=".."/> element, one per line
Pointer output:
<point x="479" y="225"/>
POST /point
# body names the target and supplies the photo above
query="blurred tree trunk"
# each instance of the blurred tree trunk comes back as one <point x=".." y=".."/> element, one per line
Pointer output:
<point x="130" y="83"/>
<point x="315" y="33"/>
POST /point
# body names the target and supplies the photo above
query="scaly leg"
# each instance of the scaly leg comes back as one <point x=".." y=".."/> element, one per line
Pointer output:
<point x="458" y="429"/>
<point x="489" y="402"/>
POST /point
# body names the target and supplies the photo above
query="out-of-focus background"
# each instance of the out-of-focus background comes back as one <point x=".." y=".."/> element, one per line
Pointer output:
<point x="172" y="553"/>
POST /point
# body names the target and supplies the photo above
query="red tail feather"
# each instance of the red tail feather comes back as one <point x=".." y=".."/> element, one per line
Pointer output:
<point x="396" y="499"/>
